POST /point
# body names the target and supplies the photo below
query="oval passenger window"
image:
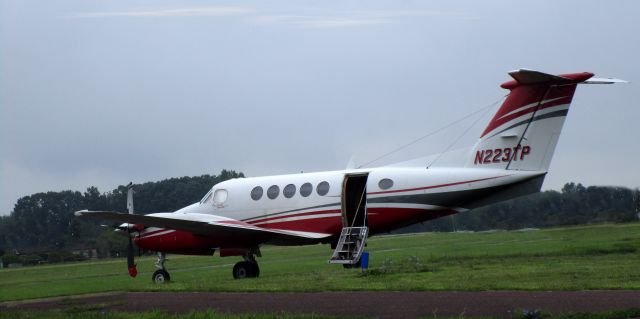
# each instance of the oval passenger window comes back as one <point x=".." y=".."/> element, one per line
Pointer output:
<point x="273" y="191"/>
<point x="256" y="193"/>
<point x="323" y="188"/>
<point x="289" y="191"/>
<point x="306" y="189"/>
<point x="385" y="183"/>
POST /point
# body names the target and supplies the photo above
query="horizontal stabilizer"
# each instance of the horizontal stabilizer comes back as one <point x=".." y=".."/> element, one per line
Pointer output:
<point x="604" y="81"/>
<point x="526" y="76"/>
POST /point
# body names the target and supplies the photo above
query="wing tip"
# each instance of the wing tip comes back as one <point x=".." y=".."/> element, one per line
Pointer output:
<point x="80" y="212"/>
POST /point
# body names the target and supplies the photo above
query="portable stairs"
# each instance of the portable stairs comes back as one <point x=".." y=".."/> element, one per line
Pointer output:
<point x="350" y="245"/>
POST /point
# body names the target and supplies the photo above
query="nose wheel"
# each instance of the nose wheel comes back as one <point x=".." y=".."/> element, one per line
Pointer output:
<point x="161" y="275"/>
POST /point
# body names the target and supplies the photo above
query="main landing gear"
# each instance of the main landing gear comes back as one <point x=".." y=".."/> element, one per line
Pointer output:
<point x="248" y="268"/>
<point x="161" y="275"/>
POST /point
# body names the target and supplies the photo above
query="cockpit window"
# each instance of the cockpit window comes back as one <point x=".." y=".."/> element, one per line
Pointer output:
<point x="206" y="198"/>
<point x="220" y="196"/>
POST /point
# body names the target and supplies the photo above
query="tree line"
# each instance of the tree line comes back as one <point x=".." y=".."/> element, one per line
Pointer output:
<point x="574" y="204"/>
<point x="44" y="222"/>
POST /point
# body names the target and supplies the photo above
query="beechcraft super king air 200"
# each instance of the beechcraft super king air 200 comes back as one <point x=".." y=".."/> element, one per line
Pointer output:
<point x="344" y="207"/>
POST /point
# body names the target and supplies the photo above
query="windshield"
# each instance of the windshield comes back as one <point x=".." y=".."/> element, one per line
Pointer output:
<point x="206" y="198"/>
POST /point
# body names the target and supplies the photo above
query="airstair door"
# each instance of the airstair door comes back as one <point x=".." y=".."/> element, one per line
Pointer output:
<point x="354" y="220"/>
<point x="354" y="200"/>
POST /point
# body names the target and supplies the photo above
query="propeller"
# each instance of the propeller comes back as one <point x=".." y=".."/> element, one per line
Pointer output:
<point x="131" y="265"/>
<point x="133" y="272"/>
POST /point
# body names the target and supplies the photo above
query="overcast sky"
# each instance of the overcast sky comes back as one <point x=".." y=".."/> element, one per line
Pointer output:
<point x="106" y="92"/>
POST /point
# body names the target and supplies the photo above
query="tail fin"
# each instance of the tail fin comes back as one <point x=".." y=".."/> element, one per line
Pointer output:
<point x="524" y="132"/>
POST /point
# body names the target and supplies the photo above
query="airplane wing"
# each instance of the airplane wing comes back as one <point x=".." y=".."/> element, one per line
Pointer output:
<point x="211" y="225"/>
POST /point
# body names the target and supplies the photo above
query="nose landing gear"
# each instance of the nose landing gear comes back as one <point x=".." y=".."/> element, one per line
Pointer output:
<point x="161" y="275"/>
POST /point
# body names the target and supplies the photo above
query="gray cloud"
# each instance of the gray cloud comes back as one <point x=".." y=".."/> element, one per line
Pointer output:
<point x="204" y="11"/>
<point x="322" y="19"/>
<point x="125" y="95"/>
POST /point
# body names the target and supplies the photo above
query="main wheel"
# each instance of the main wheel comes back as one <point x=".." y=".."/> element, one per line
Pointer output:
<point x="246" y="269"/>
<point x="160" y="276"/>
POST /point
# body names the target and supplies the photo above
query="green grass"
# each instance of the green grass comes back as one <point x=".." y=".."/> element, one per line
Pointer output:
<point x="575" y="258"/>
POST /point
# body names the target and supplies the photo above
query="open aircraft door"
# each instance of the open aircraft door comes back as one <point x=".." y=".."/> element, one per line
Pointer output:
<point x="354" y="200"/>
<point x="354" y="220"/>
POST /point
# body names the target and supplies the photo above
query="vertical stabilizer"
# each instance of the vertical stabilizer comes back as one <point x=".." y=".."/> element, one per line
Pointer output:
<point x="524" y="132"/>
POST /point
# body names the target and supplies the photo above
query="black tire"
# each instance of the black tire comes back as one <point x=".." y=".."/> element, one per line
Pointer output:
<point x="160" y="276"/>
<point x="246" y="269"/>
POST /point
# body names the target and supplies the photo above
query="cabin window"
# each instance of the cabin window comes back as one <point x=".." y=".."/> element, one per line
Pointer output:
<point x="385" y="183"/>
<point x="273" y="191"/>
<point x="220" y="196"/>
<point x="256" y="193"/>
<point x="289" y="191"/>
<point x="323" y="188"/>
<point x="306" y="189"/>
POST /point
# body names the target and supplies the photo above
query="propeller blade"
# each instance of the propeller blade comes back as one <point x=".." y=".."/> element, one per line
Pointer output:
<point x="130" y="198"/>
<point x="133" y="272"/>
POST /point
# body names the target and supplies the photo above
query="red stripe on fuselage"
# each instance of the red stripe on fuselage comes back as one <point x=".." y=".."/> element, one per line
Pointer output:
<point x="380" y="219"/>
<point x="326" y="225"/>
<point x="281" y="216"/>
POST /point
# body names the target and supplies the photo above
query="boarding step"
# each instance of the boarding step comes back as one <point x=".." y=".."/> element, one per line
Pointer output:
<point x="350" y="245"/>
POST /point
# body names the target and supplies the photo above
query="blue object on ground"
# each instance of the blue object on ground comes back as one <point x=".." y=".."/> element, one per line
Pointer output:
<point x="364" y="260"/>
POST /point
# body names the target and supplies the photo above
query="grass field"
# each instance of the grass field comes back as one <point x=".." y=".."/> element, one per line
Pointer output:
<point x="574" y="258"/>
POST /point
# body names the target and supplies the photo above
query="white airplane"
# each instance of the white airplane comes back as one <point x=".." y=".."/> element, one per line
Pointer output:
<point x="343" y="208"/>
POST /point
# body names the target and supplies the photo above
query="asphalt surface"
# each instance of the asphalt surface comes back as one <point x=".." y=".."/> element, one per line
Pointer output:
<point x="372" y="304"/>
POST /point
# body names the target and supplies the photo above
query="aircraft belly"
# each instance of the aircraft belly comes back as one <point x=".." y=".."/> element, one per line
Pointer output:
<point x="184" y="242"/>
<point x="384" y="219"/>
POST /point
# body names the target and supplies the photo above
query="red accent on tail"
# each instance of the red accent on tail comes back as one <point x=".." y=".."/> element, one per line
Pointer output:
<point x="133" y="272"/>
<point x="531" y="95"/>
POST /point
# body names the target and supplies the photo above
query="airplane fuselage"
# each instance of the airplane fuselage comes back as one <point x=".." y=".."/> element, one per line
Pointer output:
<point x="312" y="202"/>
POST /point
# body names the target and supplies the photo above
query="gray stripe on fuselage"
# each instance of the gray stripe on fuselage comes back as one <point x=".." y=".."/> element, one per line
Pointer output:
<point x="292" y="211"/>
<point x="472" y="198"/>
